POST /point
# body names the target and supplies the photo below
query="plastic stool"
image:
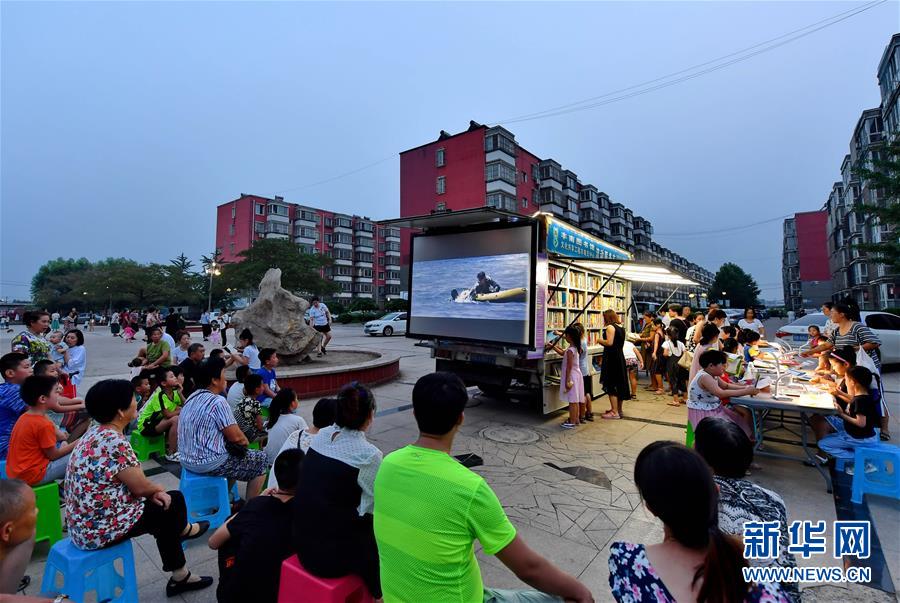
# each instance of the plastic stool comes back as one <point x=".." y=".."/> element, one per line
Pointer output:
<point x="689" y="438"/>
<point x="144" y="446"/>
<point x="885" y="481"/>
<point x="253" y="446"/>
<point x="206" y="497"/>
<point x="84" y="571"/>
<point x="49" y="520"/>
<point x="3" y="470"/>
<point x="299" y="585"/>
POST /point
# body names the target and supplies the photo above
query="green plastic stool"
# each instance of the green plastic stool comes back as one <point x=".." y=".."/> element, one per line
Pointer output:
<point x="253" y="446"/>
<point x="144" y="446"/>
<point x="689" y="440"/>
<point x="49" y="521"/>
<point x="264" y="412"/>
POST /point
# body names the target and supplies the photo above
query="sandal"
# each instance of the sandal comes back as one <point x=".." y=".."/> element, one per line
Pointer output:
<point x="610" y="415"/>
<point x="673" y="403"/>
<point x="202" y="527"/>
<point x="175" y="588"/>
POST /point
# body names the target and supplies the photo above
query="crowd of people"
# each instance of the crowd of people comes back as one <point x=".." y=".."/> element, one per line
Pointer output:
<point x="405" y="523"/>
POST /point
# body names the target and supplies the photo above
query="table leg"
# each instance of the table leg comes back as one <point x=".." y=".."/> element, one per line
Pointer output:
<point x="804" y="420"/>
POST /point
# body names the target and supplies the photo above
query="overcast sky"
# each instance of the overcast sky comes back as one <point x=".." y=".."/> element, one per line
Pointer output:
<point x="125" y="124"/>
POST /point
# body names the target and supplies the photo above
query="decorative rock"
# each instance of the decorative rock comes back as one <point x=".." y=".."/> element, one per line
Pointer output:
<point x="276" y="321"/>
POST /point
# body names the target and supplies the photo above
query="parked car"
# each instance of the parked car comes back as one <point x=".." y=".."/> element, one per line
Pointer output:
<point x="387" y="325"/>
<point x="733" y="315"/>
<point x="885" y="325"/>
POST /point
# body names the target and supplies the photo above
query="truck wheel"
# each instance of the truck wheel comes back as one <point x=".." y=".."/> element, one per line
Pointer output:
<point x="388" y="331"/>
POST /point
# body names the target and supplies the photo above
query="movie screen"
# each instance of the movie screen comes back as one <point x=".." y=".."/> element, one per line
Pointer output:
<point x="473" y="285"/>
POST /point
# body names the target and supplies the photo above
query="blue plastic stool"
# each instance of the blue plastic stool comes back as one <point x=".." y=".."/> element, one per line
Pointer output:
<point x="885" y="481"/>
<point x="3" y="470"/>
<point x="84" y="571"/>
<point x="206" y="497"/>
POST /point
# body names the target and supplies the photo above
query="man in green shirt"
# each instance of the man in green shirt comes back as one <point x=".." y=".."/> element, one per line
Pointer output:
<point x="429" y="510"/>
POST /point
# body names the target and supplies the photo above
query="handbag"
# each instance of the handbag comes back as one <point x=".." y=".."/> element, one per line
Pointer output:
<point x="686" y="360"/>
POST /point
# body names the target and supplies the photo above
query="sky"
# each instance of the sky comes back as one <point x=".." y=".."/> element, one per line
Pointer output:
<point x="124" y="124"/>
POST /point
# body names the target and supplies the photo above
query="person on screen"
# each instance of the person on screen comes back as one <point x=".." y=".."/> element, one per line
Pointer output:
<point x="485" y="284"/>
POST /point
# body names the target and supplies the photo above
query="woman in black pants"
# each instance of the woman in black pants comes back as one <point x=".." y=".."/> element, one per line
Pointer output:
<point x="333" y="533"/>
<point x="108" y="497"/>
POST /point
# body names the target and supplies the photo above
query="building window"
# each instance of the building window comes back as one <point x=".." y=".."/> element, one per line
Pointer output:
<point x="328" y="222"/>
<point x="328" y="238"/>
<point x="501" y="201"/>
<point x="233" y="211"/>
<point x="381" y="260"/>
<point x="231" y="229"/>
<point x="524" y="176"/>
<point x="259" y="227"/>
<point x="500" y="170"/>
<point x="441" y="186"/>
<point x="439" y="158"/>
<point x="381" y="276"/>
<point x="231" y="248"/>
<point x="496" y="141"/>
<point x="260" y="209"/>
<point x="524" y="202"/>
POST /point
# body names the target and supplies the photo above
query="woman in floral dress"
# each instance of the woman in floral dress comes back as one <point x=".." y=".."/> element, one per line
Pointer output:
<point x="109" y="499"/>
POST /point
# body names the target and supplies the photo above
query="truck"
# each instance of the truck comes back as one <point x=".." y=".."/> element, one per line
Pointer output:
<point x="489" y="291"/>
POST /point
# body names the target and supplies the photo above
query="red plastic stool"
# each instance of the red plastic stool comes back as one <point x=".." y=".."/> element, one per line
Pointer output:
<point x="299" y="586"/>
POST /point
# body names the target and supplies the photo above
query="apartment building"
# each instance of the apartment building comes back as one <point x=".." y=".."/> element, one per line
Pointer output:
<point x="872" y="285"/>
<point x="485" y="166"/>
<point x="366" y="255"/>
<point x="805" y="270"/>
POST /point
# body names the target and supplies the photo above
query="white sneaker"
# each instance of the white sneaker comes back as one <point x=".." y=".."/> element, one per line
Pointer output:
<point x="870" y="468"/>
<point x="173" y="458"/>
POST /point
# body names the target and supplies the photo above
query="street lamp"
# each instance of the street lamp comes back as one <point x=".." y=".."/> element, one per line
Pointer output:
<point x="212" y="270"/>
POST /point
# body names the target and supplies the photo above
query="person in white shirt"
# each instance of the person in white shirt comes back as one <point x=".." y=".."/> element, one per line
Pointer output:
<point x="236" y="390"/>
<point x="322" y="417"/>
<point x="249" y="353"/>
<point x="633" y="362"/>
<point x="320" y="318"/>
<point x="749" y="321"/>
<point x="282" y="421"/>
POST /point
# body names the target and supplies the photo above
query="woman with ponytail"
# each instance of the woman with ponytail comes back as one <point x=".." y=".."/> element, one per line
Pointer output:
<point x="696" y="561"/>
<point x="333" y="533"/>
<point x="282" y="421"/>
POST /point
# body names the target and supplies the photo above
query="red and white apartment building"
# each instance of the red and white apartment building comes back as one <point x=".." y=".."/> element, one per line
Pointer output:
<point x="366" y="255"/>
<point x="480" y="167"/>
<point x="485" y="166"/>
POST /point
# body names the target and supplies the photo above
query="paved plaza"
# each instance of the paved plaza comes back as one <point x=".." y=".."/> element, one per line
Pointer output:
<point x="569" y="493"/>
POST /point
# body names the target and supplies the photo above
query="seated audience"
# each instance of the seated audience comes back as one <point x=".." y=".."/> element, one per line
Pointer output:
<point x="189" y="366"/>
<point x="268" y="358"/>
<point x="253" y="544"/>
<point x="860" y="416"/>
<point x="183" y="344"/>
<point x="38" y="451"/>
<point x="228" y="359"/>
<point x="333" y="512"/>
<point x="247" y="414"/>
<point x="696" y="560"/>
<point x="141" y="386"/>
<point x="236" y="390"/>
<point x="707" y="390"/>
<point x="430" y="509"/>
<point x="249" y="353"/>
<point x="159" y="416"/>
<point x="209" y="440"/>
<point x="66" y="413"/>
<point x="282" y="421"/>
<point x="323" y="416"/>
<point x="109" y="499"/>
<point x="15" y="367"/>
<point x="157" y="353"/>
<point x="18" y="518"/>
<point x="729" y="452"/>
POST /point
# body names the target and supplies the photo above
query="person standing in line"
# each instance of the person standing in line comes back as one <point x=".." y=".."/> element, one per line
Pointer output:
<point x="204" y="325"/>
<point x="750" y="321"/>
<point x="613" y="373"/>
<point x="320" y="317"/>
<point x="676" y="321"/>
<point x="172" y="322"/>
<point x="224" y="324"/>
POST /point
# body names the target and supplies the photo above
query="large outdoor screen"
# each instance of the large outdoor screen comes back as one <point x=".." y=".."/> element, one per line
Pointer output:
<point x="476" y="285"/>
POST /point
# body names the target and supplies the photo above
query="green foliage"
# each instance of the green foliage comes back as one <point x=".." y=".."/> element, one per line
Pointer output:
<point x="739" y="287"/>
<point x="397" y="305"/>
<point x="300" y="272"/>
<point x="362" y="304"/>
<point x="892" y="311"/>
<point x="336" y="307"/>
<point x="885" y="177"/>
<point x="115" y="282"/>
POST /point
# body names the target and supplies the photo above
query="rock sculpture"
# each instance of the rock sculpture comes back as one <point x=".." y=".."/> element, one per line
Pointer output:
<point x="276" y="321"/>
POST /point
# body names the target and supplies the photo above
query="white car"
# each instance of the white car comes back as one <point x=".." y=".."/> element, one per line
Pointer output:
<point x="387" y="325"/>
<point x="733" y="315"/>
<point x="885" y="325"/>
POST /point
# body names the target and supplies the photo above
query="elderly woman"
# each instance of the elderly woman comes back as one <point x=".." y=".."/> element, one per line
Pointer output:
<point x="109" y="499"/>
<point x="31" y="341"/>
<point x="158" y="352"/>
<point x="729" y="453"/>
<point x="77" y="357"/>
<point x="209" y="439"/>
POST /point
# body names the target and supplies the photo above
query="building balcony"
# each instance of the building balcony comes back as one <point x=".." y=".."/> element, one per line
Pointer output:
<point x="347" y="246"/>
<point x="363" y="263"/>
<point x="343" y="262"/>
<point x="277" y="235"/>
<point x="364" y="246"/>
<point x="346" y="229"/>
<point x="342" y="278"/>
<point x="391" y="266"/>
<point x="392" y="281"/>
<point x="362" y="279"/>
<point x="390" y="252"/>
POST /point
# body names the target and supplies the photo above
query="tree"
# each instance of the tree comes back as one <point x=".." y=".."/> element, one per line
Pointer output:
<point x="300" y="272"/>
<point x="884" y="176"/>
<point x="57" y="279"/>
<point x="735" y="285"/>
